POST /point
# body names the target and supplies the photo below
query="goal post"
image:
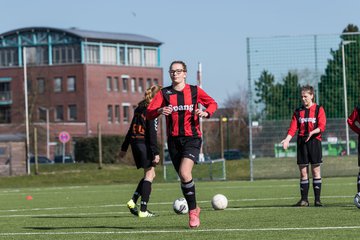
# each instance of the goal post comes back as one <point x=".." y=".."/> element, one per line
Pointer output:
<point x="205" y="170"/>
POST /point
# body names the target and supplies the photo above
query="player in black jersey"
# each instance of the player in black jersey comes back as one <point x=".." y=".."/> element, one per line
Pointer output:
<point x="142" y="136"/>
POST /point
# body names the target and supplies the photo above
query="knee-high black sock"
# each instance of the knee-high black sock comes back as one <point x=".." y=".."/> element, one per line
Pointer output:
<point x="138" y="191"/>
<point x="304" y="189"/>
<point x="358" y="182"/>
<point x="317" y="188"/>
<point x="145" y="195"/>
<point x="188" y="189"/>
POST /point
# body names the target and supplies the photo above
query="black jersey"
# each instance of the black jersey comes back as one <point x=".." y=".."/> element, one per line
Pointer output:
<point x="142" y="130"/>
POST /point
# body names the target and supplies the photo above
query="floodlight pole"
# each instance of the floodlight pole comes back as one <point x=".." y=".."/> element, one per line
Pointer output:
<point x="251" y="159"/>
<point x="343" y="43"/>
<point x="26" y="114"/>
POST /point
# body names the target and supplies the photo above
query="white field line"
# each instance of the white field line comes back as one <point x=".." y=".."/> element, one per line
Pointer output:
<point x="84" y="189"/>
<point x="160" y="203"/>
<point x="181" y="231"/>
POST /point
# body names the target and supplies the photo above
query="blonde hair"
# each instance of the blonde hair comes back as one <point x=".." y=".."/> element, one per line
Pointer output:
<point x="150" y="94"/>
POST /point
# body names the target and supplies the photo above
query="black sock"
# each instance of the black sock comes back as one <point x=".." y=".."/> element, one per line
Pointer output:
<point x="145" y="195"/>
<point x="317" y="188"/>
<point x="304" y="189"/>
<point x="188" y="189"/>
<point x="138" y="191"/>
<point x="358" y="182"/>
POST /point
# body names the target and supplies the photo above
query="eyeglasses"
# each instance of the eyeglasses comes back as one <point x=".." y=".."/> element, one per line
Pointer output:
<point x="177" y="71"/>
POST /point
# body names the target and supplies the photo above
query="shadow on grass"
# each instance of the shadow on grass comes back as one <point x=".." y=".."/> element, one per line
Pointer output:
<point x="141" y="227"/>
<point x="79" y="217"/>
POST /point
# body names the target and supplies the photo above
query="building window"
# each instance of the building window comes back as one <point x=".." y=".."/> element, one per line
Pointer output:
<point x="59" y="113"/>
<point x="110" y="113"/>
<point x="92" y="54"/>
<point x="134" y="56"/>
<point x="109" y="84"/>
<point x="133" y="85"/>
<point x="72" y="112"/>
<point x="148" y="83"/>
<point x="5" y="114"/>
<point x="37" y="55"/>
<point x="141" y="85"/>
<point x="116" y="84"/>
<point x="9" y="57"/>
<point x="5" y="92"/>
<point x="117" y="113"/>
<point x="66" y="54"/>
<point x="42" y="114"/>
<point x="122" y="55"/>
<point x="126" y="113"/>
<point x="71" y="84"/>
<point x="125" y="84"/>
<point x="109" y="55"/>
<point x="40" y="85"/>
<point x="150" y="57"/>
<point x="156" y="82"/>
<point x="58" y="84"/>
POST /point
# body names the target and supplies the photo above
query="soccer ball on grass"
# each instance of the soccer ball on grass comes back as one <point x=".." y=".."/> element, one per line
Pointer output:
<point x="219" y="202"/>
<point x="180" y="206"/>
<point x="357" y="200"/>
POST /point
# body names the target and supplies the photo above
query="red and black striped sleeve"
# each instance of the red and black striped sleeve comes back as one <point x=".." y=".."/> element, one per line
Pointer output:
<point x="207" y="101"/>
<point x="352" y="119"/>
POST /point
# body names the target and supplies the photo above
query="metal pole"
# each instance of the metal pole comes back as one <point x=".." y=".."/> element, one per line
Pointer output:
<point x="47" y="134"/>
<point x="100" y="145"/>
<point x="316" y="71"/>
<point x="345" y="93"/>
<point x="199" y="83"/>
<point x="26" y="115"/>
<point x="250" y="110"/>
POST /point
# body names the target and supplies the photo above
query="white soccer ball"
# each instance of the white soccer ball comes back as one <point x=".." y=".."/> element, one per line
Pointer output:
<point x="357" y="200"/>
<point x="219" y="202"/>
<point x="180" y="206"/>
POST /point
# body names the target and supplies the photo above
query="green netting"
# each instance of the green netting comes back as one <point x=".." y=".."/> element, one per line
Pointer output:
<point x="278" y="67"/>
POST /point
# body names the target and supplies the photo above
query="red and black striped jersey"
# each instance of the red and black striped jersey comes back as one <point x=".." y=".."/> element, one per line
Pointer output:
<point x="142" y="129"/>
<point x="353" y="118"/>
<point x="182" y="121"/>
<point x="304" y="120"/>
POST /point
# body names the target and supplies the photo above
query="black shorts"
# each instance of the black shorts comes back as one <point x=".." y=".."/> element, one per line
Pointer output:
<point x="142" y="155"/>
<point x="183" y="147"/>
<point x="309" y="152"/>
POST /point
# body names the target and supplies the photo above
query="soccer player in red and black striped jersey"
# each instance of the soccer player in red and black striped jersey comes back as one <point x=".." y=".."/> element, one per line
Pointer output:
<point x="309" y="121"/>
<point x="142" y="136"/>
<point x="179" y="103"/>
<point x="354" y="122"/>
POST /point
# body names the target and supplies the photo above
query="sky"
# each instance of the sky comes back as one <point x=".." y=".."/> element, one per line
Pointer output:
<point x="208" y="31"/>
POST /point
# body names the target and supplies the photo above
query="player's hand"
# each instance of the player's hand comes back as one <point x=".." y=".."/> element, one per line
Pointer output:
<point x="165" y="110"/>
<point x="156" y="160"/>
<point x="285" y="144"/>
<point x="308" y="138"/>
<point x="201" y="113"/>
<point x="122" y="154"/>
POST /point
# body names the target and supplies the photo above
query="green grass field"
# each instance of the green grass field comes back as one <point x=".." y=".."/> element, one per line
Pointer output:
<point x="257" y="210"/>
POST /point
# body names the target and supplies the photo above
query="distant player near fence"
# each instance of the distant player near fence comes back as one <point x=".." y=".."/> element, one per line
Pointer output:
<point x="309" y="121"/>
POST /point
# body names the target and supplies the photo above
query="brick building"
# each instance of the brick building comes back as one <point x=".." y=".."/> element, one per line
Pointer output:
<point x="76" y="79"/>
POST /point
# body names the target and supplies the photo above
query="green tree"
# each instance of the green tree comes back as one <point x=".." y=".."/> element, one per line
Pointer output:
<point x="280" y="99"/>
<point x="331" y="86"/>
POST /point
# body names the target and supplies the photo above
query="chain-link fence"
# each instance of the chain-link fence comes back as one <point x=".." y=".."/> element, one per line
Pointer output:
<point x="279" y="66"/>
